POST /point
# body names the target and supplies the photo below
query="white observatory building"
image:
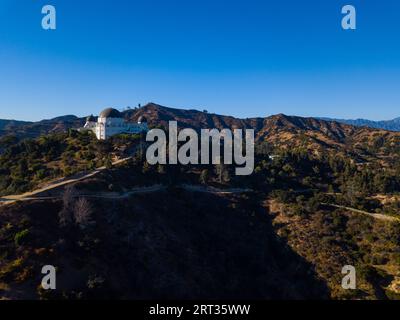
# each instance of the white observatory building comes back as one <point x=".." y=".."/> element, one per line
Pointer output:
<point x="111" y="122"/>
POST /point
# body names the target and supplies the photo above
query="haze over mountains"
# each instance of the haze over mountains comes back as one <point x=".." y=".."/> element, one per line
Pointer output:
<point x="392" y="125"/>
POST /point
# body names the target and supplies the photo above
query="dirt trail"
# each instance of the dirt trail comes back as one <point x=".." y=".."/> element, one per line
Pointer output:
<point x="377" y="216"/>
<point x="199" y="188"/>
<point x="55" y="184"/>
<point x="34" y="195"/>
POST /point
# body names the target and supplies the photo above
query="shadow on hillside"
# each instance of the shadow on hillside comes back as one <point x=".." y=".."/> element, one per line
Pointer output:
<point x="167" y="245"/>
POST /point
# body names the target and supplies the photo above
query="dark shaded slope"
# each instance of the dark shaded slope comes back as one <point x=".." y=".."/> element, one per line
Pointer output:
<point x="167" y="245"/>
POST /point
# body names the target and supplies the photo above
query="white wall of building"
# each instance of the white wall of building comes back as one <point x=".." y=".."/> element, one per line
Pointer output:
<point x="107" y="127"/>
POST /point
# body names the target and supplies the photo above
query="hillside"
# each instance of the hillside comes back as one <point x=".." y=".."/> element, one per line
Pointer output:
<point x="314" y="135"/>
<point x="7" y="124"/>
<point x="61" y="154"/>
<point x="312" y="205"/>
<point x="274" y="242"/>
<point x="141" y="249"/>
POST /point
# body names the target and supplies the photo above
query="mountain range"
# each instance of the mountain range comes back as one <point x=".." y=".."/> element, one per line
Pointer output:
<point x="159" y="115"/>
<point x="392" y="125"/>
<point x="26" y="129"/>
<point x="316" y="136"/>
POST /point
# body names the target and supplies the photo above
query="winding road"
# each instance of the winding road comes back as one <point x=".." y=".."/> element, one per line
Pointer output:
<point x="35" y="195"/>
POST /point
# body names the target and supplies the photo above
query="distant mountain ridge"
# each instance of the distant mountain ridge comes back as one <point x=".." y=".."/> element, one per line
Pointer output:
<point x="25" y="129"/>
<point x="6" y="124"/>
<point x="391" y="125"/>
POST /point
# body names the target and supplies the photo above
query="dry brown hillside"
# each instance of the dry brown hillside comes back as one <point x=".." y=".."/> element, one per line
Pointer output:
<point x="312" y="134"/>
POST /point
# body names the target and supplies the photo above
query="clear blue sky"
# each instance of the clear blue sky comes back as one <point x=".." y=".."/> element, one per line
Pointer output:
<point x="239" y="57"/>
